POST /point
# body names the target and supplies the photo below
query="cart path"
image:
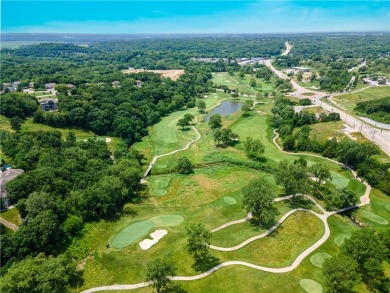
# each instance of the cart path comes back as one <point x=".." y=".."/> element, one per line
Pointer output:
<point x="10" y="225"/>
<point x="323" y="217"/>
<point x="364" y="200"/>
<point x="175" y="151"/>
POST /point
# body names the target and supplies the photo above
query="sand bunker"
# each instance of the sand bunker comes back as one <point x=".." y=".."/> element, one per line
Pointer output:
<point x="156" y="236"/>
<point x="172" y="74"/>
<point x="315" y="179"/>
<point x="107" y="139"/>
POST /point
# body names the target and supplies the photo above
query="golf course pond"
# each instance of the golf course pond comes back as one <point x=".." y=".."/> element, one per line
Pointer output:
<point x="225" y="108"/>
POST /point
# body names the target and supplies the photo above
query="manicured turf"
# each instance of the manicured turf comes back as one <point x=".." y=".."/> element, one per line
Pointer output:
<point x="131" y="234"/>
<point x="166" y="220"/>
<point x="375" y="218"/>
<point x="310" y="286"/>
<point x="376" y="214"/>
<point x="297" y="233"/>
<point x="160" y="182"/>
<point x="319" y="258"/>
<point x="12" y="216"/>
<point x="339" y="240"/>
<point x="230" y="200"/>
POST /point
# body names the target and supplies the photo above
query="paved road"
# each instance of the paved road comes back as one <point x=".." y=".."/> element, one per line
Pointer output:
<point x="288" y="49"/>
<point x="379" y="137"/>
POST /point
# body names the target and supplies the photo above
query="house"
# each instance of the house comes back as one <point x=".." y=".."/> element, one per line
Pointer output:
<point x="50" y="85"/>
<point x="49" y="104"/>
<point x="70" y="86"/>
<point x="116" y="84"/>
<point x="302" y="69"/>
<point x="138" y="83"/>
<point x="5" y="177"/>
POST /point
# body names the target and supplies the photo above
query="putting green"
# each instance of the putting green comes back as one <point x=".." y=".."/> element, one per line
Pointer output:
<point x="387" y="207"/>
<point x="138" y="230"/>
<point x="131" y="233"/>
<point x="339" y="240"/>
<point x="160" y="182"/>
<point x="375" y="218"/>
<point x="230" y="200"/>
<point x="339" y="180"/>
<point x="319" y="258"/>
<point x="310" y="286"/>
<point x="160" y="166"/>
<point x="158" y="192"/>
<point x="167" y="220"/>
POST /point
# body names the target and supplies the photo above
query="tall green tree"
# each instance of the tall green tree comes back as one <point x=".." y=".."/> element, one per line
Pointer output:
<point x="341" y="274"/>
<point x="158" y="272"/>
<point x="198" y="240"/>
<point x="215" y="121"/>
<point x="253" y="147"/>
<point x="39" y="274"/>
<point x="184" y="166"/>
<point x="257" y="198"/>
<point x="16" y="123"/>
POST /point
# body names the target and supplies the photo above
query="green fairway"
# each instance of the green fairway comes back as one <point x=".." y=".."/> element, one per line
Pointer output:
<point x="242" y="83"/>
<point x="375" y="218"/>
<point x="166" y="136"/>
<point x="131" y="234"/>
<point x="310" y="286"/>
<point x="377" y="213"/>
<point x="319" y="258"/>
<point x="230" y="200"/>
<point x="12" y="216"/>
<point x="339" y="240"/>
<point x="166" y="220"/>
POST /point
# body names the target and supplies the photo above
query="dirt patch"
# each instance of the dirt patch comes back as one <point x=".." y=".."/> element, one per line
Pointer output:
<point x="172" y="74"/>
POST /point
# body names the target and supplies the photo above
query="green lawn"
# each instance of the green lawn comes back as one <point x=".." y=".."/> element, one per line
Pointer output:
<point x="350" y="100"/>
<point x="242" y="84"/>
<point x="12" y="216"/>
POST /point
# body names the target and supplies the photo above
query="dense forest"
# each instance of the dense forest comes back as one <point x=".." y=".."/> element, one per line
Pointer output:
<point x="378" y="110"/>
<point x="65" y="184"/>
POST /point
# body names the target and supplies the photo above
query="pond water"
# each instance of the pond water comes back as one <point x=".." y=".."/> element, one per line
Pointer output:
<point x="226" y="108"/>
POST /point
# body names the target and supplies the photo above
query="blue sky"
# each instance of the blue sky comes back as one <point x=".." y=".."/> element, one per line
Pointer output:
<point x="193" y="16"/>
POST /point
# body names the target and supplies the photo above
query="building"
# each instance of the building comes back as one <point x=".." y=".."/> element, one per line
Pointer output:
<point x="50" y="86"/>
<point x="302" y="69"/>
<point x="5" y="177"/>
<point x="70" y="86"/>
<point x="49" y="104"/>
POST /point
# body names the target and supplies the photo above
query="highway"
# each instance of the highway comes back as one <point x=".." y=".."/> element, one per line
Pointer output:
<point x="378" y="136"/>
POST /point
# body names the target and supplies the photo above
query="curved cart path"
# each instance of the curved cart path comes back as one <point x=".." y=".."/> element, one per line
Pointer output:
<point x="323" y="217"/>
<point x="364" y="200"/>
<point x="173" y="152"/>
